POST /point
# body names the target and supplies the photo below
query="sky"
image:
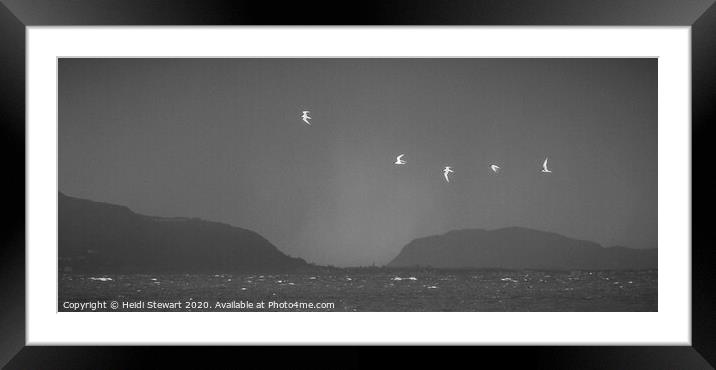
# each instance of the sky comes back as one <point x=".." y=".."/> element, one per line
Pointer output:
<point x="223" y="140"/>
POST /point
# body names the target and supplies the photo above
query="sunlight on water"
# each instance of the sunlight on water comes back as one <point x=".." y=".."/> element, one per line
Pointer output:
<point x="386" y="291"/>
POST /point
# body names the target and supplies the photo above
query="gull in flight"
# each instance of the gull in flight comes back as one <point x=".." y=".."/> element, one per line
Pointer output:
<point x="447" y="171"/>
<point x="399" y="159"/>
<point x="544" y="166"/>
<point x="305" y="116"/>
<point x="495" y="168"/>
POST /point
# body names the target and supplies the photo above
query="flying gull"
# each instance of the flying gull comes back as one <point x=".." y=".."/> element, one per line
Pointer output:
<point x="495" y="168"/>
<point x="305" y="117"/>
<point x="544" y="166"/>
<point x="447" y="171"/>
<point x="399" y="159"/>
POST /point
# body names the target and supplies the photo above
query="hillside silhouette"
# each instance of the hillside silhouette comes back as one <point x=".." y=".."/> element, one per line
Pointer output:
<point x="519" y="248"/>
<point x="109" y="238"/>
<point x="103" y="237"/>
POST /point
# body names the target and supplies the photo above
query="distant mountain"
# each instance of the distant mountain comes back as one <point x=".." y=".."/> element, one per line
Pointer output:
<point x="104" y="237"/>
<point x="519" y="248"/>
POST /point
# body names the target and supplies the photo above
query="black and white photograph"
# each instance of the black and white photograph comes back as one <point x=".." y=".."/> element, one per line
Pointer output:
<point x="232" y="178"/>
<point x="357" y="184"/>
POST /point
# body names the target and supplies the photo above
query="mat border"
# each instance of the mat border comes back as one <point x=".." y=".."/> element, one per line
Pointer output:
<point x="16" y="15"/>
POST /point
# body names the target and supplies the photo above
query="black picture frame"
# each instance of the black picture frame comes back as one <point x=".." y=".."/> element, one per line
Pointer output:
<point x="16" y="15"/>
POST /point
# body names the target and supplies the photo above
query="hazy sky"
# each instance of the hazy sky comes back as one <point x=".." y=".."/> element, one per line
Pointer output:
<point x="222" y="139"/>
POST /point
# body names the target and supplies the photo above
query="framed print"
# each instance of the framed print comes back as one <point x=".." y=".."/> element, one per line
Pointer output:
<point x="465" y="174"/>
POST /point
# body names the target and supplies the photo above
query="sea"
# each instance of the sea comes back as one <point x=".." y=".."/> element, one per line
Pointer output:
<point x="364" y="290"/>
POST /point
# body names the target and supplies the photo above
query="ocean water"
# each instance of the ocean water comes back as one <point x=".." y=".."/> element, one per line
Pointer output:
<point x="363" y="290"/>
